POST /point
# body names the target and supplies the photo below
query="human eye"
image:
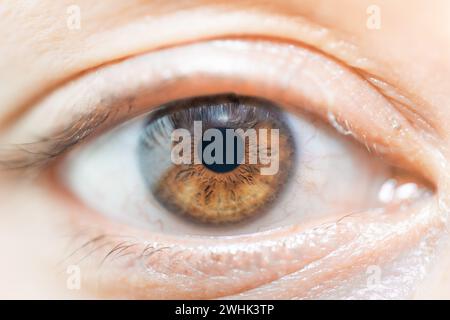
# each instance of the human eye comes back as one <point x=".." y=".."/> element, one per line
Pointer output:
<point x="344" y="160"/>
<point x="308" y="171"/>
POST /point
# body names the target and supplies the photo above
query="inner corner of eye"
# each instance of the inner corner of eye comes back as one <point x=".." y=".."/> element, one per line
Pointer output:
<point x="403" y="186"/>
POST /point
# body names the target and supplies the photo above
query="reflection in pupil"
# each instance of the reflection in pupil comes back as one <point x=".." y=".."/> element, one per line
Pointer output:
<point x="218" y="152"/>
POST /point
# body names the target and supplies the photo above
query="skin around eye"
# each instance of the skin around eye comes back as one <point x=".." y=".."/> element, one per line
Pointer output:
<point x="59" y="73"/>
<point x="154" y="241"/>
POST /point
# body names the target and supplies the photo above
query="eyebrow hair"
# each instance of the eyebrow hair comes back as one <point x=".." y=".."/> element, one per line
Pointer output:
<point x="40" y="153"/>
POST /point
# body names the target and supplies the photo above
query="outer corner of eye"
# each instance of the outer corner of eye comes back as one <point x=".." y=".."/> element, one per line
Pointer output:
<point x="227" y="164"/>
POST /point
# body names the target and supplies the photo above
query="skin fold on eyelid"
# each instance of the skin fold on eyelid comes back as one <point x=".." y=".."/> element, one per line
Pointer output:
<point x="301" y="21"/>
<point x="117" y="43"/>
<point x="296" y="77"/>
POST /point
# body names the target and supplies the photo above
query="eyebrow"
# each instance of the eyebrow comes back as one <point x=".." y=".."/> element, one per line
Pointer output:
<point x="39" y="154"/>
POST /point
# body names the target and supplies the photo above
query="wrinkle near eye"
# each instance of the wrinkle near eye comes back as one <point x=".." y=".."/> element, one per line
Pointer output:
<point x="304" y="262"/>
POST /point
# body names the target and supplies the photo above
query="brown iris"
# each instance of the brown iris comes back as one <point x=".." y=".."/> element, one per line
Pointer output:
<point x="224" y="192"/>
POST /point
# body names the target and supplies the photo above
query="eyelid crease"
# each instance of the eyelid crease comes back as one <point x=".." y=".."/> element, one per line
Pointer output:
<point x="297" y="28"/>
<point x="38" y="153"/>
<point x="404" y="105"/>
<point x="56" y="149"/>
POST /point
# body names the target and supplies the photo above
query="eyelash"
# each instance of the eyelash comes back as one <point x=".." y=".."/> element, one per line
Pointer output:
<point x="41" y="154"/>
<point x="37" y="156"/>
<point x="117" y="247"/>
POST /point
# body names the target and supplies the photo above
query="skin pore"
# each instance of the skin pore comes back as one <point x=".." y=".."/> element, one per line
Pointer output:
<point x="406" y="60"/>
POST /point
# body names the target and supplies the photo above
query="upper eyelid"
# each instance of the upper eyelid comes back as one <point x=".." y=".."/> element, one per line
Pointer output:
<point x="297" y="29"/>
<point x="111" y="98"/>
<point x="346" y="62"/>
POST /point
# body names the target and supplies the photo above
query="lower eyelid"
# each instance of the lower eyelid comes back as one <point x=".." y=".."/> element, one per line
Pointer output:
<point x="328" y="252"/>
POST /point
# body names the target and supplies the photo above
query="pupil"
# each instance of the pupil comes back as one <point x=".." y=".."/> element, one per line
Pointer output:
<point x="234" y="142"/>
